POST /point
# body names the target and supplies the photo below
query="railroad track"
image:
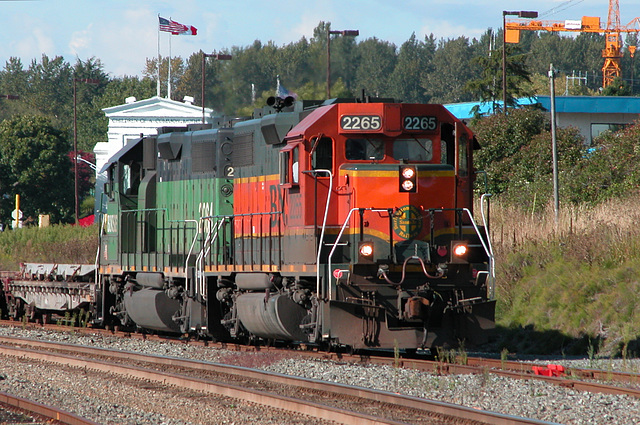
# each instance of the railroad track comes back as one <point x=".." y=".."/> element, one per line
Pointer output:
<point x="591" y="380"/>
<point x="327" y="401"/>
<point x="17" y="410"/>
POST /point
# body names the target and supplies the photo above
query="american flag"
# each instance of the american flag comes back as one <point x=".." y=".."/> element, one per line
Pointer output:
<point x="176" y="28"/>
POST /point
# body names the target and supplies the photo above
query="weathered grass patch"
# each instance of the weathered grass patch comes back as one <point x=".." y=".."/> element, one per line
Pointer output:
<point x="54" y="244"/>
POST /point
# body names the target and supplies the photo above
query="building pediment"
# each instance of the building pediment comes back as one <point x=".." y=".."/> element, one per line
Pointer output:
<point x="153" y="108"/>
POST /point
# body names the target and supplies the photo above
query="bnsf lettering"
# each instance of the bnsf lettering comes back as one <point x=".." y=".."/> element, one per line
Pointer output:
<point x="206" y="210"/>
<point x="275" y="197"/>
<point x="112" y="223"/>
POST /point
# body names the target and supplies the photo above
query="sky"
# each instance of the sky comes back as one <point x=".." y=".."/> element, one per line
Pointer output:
<point x="123" y="33"/>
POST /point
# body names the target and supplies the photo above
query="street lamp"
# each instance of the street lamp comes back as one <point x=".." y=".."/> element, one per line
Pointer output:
<point x="204" y="58"/>
<point x="90" y="164"/>
<point x="75" y="137"/>
<point x="520" y="14"/>
<point x="351" y="33"/>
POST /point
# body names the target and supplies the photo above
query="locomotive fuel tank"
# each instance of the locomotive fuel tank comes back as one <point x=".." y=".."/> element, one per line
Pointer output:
<point x="271" y="316"/>
<point x="152" y="309"/>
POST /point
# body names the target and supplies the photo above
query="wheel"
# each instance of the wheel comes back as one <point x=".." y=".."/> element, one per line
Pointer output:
<point x="17" y="310"/>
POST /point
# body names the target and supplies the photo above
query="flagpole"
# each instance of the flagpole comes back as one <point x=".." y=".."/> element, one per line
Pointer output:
<point x="169" y="78"/>
<point x="159" y="60"/>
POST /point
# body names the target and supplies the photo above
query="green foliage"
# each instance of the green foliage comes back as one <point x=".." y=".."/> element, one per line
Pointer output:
<point x="517" y="155"/>
<point x="34" y="164"/>
<point x="488" y="88"/>
<point x="377" y="60"/>
<point x="414" y="60"/>
<point x="618" y="87"/>
<point x="121" y="88"/>
<point x="46" y="88"/>
<point x="610" y="169"/>
<point x="55" y="244"/>
<point x="451" y="71"/>
<point x="540" y="86"/>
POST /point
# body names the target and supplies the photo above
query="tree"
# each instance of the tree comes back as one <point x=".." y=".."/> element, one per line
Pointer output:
<point x="177" y="72"/>
<point x="121" y="88"/>
<point x="618" y="87"/>
<point x="488" y="88"/>
<point x="414" y="60"/>
<point x="451" y="71"/>
<point x="377" y="60"/>
<point x="13" y="81"/>
<point x="50" y="90"/>
<point x="91" y="122"/>
<point x="34" y="164"/>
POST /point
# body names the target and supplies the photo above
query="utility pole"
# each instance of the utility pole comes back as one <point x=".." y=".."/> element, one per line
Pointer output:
<point x="554" y="144"/>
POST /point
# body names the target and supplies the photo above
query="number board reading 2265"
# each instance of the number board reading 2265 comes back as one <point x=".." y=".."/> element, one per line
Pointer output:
<point x="421" y="123"/>
<point x="361" y="122"/>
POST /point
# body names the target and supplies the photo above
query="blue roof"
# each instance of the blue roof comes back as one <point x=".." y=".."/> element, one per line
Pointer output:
<point x="463" y="110"/>
<point x="593" y="104"/>
<point x="564" y="104"/>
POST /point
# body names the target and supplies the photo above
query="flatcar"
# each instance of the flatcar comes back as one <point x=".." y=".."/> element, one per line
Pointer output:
<point x="336" y="223"/>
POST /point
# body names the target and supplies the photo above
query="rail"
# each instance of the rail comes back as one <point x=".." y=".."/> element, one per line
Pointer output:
<point x="58" y="415"/>
<point x="194" y="376"/>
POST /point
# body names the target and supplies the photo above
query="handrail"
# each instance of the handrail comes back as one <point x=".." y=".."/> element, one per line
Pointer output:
<point x="492" y="270"/>
<point x="205" y="249"/>
<point x="186" y="260"/>
<point x="335" y="243"/>
<point x="207" y="243"/>
<point x="487" y="248"/>
<point x="324" y="225"/>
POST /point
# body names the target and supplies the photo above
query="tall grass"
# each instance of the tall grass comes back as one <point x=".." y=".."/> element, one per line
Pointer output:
<point x="578" y="274"/>
<point x="54" y="244"/>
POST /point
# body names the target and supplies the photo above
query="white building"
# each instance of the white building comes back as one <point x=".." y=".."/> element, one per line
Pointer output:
<point x="138" y="118"/>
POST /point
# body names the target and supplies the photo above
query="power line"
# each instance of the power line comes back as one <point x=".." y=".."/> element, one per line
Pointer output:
<point x="560" y="8"/>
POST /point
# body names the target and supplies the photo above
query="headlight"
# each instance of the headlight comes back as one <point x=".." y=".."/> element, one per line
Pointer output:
<point x="407" y="185"/>
<point x="459" y="251"/>
<point x="365" y="252"/>
<point x="366" y="249"/>
<point x="408" y="179"/>
<point x="408" y="172"/>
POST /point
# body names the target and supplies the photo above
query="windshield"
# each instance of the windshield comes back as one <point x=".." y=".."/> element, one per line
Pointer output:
<point x="364" y="149"/>
<point x="413" y="149"/>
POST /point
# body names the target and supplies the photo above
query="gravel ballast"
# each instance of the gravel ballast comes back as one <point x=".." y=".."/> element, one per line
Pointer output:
<point x="127" y="403"/>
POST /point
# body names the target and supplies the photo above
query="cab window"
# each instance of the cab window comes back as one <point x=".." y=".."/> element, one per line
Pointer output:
<point x="322" y="157"/>
<point x="364" y="149"/>
<point x="463" y="156"/>
<point x="413" y="149"/>
<point x="290" y="165"/>
<point x="125" y="186"/>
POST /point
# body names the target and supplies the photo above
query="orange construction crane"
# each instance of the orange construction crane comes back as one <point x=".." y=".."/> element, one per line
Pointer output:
<point x="612" y="52"/>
